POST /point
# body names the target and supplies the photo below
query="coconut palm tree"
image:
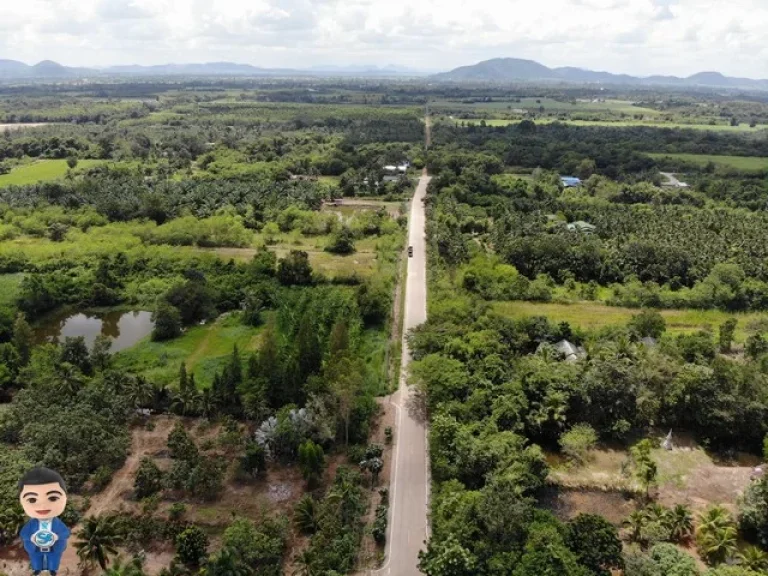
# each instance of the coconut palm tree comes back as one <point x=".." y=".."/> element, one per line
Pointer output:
<point x="716" y="535"/>
<point x="680" y="522"/>
<point x="305" y="514"/>
<point x="636" y="522"/>
<point x="305" y="565"/>
<point x="753" y="558"/>
<point x="133" y="567"/>
<point x="98" y="540"/>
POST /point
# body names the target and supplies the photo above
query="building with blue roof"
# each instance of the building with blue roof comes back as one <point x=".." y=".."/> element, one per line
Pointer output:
<point x="570" y="181"/>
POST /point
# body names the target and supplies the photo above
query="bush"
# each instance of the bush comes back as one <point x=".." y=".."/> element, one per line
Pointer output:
<point x="180" y="445"/>
<point x="673" y="562"/>
<point x="149" y="479"/>
<point x="753" y="512"/>
<point x="342" y="242"/>
<point x="595" y="541"/>
<point x="649" y="323"/>
<point x="294" y="269"/>
<point x="577" y="442"/>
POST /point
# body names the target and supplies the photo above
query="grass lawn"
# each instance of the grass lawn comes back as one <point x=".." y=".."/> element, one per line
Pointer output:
<point x="745" y="163"/>
<point x="9" y="287"/>
<point x="205" y="349"/>
<point x="42" y="170"/>
<point x="593" y="315"/>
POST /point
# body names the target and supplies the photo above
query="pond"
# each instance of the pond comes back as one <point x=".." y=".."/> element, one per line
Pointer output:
<point x="124" y="328"/>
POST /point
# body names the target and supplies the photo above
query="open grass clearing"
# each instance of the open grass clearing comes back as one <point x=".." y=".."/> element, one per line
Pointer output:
<point x="42" y="170"/>
<point x="686" y="475"/>
<point x="204" y="349"/>
<point x="581" y="105"/>
<point x="745" y="163"/>
<point x="21" y="126"/>
<point x="594" y="315"/>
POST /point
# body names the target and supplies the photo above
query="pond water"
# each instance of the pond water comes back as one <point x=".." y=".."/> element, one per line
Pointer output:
<point x="124" y="328"/>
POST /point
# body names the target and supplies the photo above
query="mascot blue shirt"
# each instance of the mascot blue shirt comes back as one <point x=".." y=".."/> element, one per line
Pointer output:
<point x="43" y="496"/>
<point x="45" y="542"/>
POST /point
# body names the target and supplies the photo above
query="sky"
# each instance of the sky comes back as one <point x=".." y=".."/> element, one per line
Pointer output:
<point x="639" y="37"/>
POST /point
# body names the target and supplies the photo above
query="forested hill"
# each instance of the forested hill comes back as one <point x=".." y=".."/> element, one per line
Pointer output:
<point x="515" y="69"/>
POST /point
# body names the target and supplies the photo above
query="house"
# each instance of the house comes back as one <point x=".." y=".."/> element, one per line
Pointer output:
<point x="400" y="168"/>
<point x="581" y="226"/>
<point x="570" y="181"/>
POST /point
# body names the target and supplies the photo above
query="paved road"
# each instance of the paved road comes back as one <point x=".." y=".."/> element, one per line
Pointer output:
<point x="409" y="492"/>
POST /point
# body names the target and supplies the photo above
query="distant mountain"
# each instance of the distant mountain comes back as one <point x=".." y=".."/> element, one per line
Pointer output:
<point x="514" y="69"/>
<point x="12" y="69"/>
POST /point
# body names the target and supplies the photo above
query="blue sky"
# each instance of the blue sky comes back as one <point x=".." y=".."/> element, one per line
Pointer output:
<point x="639" y="37"/>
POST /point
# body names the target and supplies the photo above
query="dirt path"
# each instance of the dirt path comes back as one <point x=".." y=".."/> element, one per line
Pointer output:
<point x="143" y="443"/>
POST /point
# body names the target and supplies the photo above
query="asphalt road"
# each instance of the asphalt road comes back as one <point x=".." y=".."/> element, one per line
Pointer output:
<point x="409" y="484"/>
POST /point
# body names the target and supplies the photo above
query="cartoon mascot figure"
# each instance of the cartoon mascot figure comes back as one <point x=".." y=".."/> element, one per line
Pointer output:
<point x="43" y="495"/>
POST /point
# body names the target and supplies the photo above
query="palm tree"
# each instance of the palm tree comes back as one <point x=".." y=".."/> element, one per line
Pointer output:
<point x="636" y="522"/>
<point x="98" y="540"/>
<point x="186" y="402"/>
<point x="680" y="522"/>
<point x="753" y="558"/>
<point x="716" y="535"/>
<point x="134" y="567"/>
<point x="305" y="565"/>
<point x="305" y="515"/>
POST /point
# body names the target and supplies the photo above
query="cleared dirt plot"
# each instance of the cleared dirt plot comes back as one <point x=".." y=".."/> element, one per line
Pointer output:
<point x="21" y="126"/>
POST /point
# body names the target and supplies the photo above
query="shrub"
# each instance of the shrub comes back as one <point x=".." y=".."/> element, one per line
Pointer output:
<point x="649" y="323"/>
<point x="192" y="546"/>
<point x="149" y="479"/>
<point x="577" y="442"/>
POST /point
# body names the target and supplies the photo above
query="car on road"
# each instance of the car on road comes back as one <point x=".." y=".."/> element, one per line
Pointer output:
<point x="410" y="251"/>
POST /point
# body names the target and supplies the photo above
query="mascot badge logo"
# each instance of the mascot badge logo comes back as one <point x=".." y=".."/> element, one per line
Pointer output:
<point x="43" y="495"/>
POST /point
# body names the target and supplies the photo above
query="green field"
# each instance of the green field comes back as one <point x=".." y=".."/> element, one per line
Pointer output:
<point x="204" y="349"/>
<point x="42" y="170"/>
<point x="745" y="163"/>
<point x="622" y="124"/>
<point x="593" y="315"/>
<point x="550" y="105"/>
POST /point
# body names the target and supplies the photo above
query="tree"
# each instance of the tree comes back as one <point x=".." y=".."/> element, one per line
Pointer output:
<point x="167" y="321"/>
<point x="756" y="346"/>
<point x="595" y="542"/>
<point x="577" y="442"/>
<point x="727" y="330"/>
<point x="672" y="561"/>
<point x="311" y="462"/>
<point x="180" y="445"/>
<point x="305" y="514"/>
<point x="254" y="462"/>
<point x="149" y="478"/>
<point x="74" y="351"/>
<point x="101" y="359"/>
<point x="57" y="231"/>
<point x="649" y="323"/>
<point x="680" y="522"/>
<point x="294" y="269"/>
<point x="192" y="546"/>
<point x="346" y="383"/>
<point x="716" y="535"/>
<point x="133" y="567"/>
<point x="753" y="512"/>
<point x="23" y="339"/>
<point x="226" y="562"/>
<point x="342" y="242"/>
<point x="72" y="162"/>
<point x="98" y="539"/>
<point x="447" y="558"/>
<point x="646" y="470"/>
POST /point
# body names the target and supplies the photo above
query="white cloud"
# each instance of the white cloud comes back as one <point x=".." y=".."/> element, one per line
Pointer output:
<point x="632" y="36"/>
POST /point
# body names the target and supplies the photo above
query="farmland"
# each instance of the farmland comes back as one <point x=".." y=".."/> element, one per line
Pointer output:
<point x="743" y="163"/>
<point x="41" y="171"/>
